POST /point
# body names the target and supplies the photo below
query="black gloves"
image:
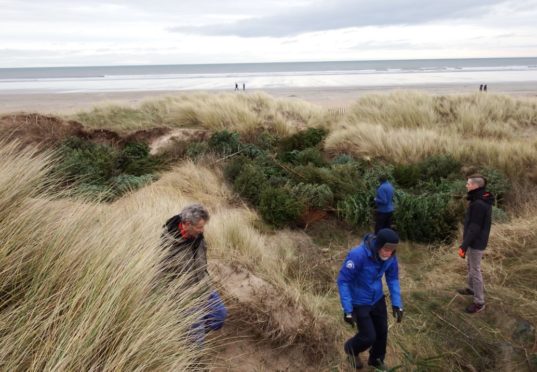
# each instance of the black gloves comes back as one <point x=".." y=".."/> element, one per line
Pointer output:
<point x="397" y="313"/>
<point x="347" y="318"/>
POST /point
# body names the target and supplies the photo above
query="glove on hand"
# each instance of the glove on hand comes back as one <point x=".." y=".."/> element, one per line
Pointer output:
<point x="347" y="317"/>
<point x="462" y="252"/>
<point x="397" y="313"/>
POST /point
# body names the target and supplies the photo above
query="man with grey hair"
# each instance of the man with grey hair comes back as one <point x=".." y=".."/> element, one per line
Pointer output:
<point x="187" y="256"/>
<point x="477" y="222"/>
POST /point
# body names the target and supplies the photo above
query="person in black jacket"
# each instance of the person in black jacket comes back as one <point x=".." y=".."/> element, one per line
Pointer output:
<point x="186" y="257"/>
<point x="477" y="222"/>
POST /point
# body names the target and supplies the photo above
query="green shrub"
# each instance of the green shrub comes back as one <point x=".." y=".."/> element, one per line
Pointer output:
<point x="311" y="155"/>
<point x="101" y="172"/>
<point x="251" y="151"/>
<point x="406" y="175"/>
<point x="289" y="156"/>
<point x="278" y="207"/>
<point x="357" y="209"/>
<point x="266" y="141"/>
<point x="135" y="150"/>
<point x="312" y="195"/>
<point x="250" y="182"/>
<point x="195" y="150"/>
<point x="311" y="137"/>
<point x="80" y="159"/>
<point x="234" y="167"/>
<point x="371" y="176"/>
<point x="135" y="159"/>
<point x="342" y="159"/>
<point x="455" y="188"/>
<point x="437" y="167"/>
<point x="225" y="142"/>
<point x="497" y="183"/>
<point x="425" y="218"/>
<point x="278" y="181"/>
<point x="270" y="167"/>
<point x="343" y="180"/>
<point x="432" y="169"/>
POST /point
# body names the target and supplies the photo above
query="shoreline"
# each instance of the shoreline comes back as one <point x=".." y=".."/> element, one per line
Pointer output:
<point x="329" y="97"/>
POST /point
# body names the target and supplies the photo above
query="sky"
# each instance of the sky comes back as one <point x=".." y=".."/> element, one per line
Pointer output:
<point x="137" y="32"/>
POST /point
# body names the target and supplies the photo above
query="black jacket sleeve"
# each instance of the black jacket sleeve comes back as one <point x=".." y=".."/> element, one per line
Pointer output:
<point x="477" y="215"/>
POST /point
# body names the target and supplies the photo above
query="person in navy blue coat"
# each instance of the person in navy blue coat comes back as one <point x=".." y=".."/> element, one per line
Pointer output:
<point x="362" y="296"/>
<point x="384" y="203"/>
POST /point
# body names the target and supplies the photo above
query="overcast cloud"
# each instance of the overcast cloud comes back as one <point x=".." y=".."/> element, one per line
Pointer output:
<point x="337" y="14"/>
<point x="99" y="32"/>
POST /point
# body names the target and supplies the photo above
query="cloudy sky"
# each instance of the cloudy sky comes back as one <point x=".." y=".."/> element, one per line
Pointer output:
<point x="126" y="32"/>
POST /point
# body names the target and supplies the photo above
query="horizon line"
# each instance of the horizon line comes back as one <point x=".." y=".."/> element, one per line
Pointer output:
<point x="267" y="62"/>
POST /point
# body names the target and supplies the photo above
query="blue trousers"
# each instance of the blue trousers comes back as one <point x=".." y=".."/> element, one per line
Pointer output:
<point x="213" y="320"/>
<point x="372" y="322"/>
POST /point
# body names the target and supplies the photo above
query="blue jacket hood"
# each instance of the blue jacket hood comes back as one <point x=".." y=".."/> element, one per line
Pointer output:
<point x="360" y="277"/>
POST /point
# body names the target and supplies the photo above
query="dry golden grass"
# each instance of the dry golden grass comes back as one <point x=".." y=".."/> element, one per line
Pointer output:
<point x="406" y="127"/>
<point x="244" y="113"/>
<point x="390" y="144"/>
<point x="480" y="115"/>
<point x="78" y="282"/>
<point x="517" y="158"/>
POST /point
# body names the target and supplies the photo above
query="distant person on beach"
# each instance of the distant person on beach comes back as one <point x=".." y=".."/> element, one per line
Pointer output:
<point x="236" y="86"/>
<point x="475" y="238"/>
<point x="243" y="86"/>
<point x="481" y="88"/>
<point x="384" y="204"/>
<point x="485" y="87"/>
<point x="187" y="256"/>
<point x="362" y="296"/>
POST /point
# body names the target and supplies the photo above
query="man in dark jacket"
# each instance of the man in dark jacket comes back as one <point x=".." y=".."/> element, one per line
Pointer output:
<point x="187" y="257"/>
<point x="384" y="204"/>
<point x="362" y="296"/>
<point x="477" y="222"/>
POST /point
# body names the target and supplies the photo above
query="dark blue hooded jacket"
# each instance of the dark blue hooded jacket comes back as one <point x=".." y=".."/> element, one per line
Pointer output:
<point x="384" y="198"/>
<point x="360" y="278"/>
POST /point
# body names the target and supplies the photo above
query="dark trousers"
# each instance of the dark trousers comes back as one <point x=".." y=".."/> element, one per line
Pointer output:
<point x="372" y="322"/>
<point x="383" y="220"/>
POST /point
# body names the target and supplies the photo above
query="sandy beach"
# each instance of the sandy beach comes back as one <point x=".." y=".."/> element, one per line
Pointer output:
<point x="66" y="103"/>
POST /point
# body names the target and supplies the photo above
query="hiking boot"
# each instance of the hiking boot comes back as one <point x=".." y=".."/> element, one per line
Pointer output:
<point x="355" y="361"/>
<point x="465" y="291"/>
<point x="475" y="308"/>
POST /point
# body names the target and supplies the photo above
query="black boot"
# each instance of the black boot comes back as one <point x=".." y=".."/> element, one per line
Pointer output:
<point x="378" y="364"/>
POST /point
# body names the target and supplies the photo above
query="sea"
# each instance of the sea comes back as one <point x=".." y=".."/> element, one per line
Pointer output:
<point x="277" y="75"/>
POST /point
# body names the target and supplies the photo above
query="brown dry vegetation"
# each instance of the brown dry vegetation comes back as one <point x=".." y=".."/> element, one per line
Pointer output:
<point x="46" y="131"/>
<point x="81" y="276"/>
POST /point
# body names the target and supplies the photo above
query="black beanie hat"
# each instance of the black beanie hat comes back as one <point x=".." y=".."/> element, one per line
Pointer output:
<point x="386" y="236"/>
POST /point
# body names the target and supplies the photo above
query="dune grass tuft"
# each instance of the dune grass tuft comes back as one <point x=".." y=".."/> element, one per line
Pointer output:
<point x="246" y="114"/>
<point x="78" y="282"/>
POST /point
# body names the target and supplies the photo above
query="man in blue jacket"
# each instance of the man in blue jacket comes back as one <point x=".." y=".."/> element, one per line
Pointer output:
<point x="362" y="296"/>
<point x="384" y="203"/>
